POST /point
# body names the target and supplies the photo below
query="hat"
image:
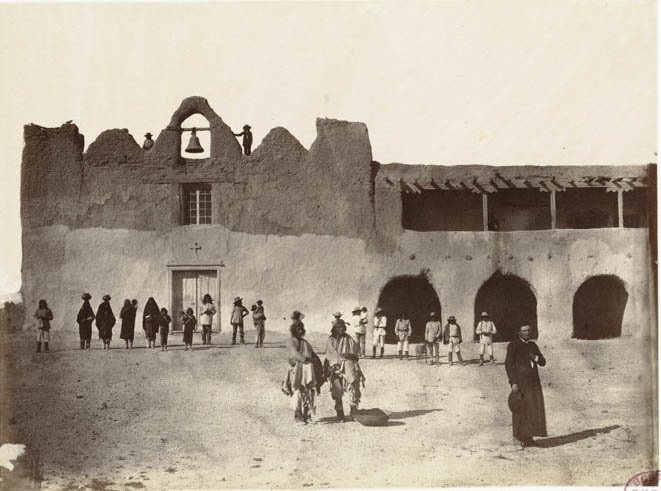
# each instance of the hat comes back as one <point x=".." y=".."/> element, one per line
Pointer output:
<point x="246" y="126"/>
<point x="337" y="314"/>
<point x="484" y="314"/>
<point x="106" y="297"/>
<point x="514" y="401"/>
<point x="148" y="135"/>
<point x="378" y="310"/>
<point x="452" y="318"/>
<point x="296" y="314"/>
<point x="432" y="314"/>
<point x="86" y="296"/>
<point x="355" y="309"/>
<point x="237" y="299"/>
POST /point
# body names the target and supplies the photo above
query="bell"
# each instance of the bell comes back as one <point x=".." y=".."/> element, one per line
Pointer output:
<point x="194" y="143"/>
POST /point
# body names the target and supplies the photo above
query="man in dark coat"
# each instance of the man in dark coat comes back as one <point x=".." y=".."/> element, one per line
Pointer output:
<point x="523" y="357"/>
<point x="247" y="138"/>
<point x="105" y="320"/>
<point x="84" y="319"/>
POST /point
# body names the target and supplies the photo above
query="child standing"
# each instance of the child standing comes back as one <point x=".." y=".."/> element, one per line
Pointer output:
<point x="189" y="321"/>
<point x="164" y="325"/>
<point x="452" y="337"/>
<point x="43" y="316"/>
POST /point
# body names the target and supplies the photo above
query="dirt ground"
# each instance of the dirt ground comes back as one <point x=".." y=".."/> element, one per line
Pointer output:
<point x="215" y="418"/>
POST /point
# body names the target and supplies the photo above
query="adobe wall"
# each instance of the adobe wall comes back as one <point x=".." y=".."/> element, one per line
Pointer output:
<point x="282" y="188"/>
<point x="316" y="230"/>
<point x="320" y="274"/>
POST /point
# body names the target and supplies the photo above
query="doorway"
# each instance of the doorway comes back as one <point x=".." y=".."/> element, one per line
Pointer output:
<point x="188" y="290"/>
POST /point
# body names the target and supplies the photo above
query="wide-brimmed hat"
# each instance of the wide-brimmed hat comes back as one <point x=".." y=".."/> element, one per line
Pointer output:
<point x="86" y="296"/>
<point x="378" y="310"/>
<point x="148" y="135"/>
<point x="337" y="314"/>
<point x="355" y="309"/>
<point x="484" y="314"/>
<point x="237" y="299"/>
<point x="296" y="314"/>
<point x="106" y="297"/>
<point x="515" y="401"/>
<point x="452" y="318"/>
<point x="246" y="126"/>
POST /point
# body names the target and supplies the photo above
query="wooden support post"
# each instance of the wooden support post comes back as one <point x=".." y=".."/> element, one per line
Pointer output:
<point x="553" y="210"/>
<point x="485" y="213"/>
<point x="620" y="209"/>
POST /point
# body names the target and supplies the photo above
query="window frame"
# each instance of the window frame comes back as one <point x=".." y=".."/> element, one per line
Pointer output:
<point x="203" y="211"/>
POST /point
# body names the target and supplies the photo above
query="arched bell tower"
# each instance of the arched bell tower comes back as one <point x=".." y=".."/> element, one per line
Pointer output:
<point x="224" y="145"/>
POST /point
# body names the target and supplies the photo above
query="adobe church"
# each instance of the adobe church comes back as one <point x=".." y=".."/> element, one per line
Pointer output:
<point x="565" y="249"/>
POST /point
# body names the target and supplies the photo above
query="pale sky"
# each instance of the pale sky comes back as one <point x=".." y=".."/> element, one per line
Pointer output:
<point x="454" y="82"/>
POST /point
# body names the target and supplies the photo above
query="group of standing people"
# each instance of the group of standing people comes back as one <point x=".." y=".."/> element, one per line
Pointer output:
<point x="155" y="321"/>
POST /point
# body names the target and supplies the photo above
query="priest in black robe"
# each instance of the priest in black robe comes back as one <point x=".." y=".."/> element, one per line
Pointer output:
<point x="523" y="358"/>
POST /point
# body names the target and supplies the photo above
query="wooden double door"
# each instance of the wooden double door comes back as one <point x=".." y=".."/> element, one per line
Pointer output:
<point x="188" y="290"/>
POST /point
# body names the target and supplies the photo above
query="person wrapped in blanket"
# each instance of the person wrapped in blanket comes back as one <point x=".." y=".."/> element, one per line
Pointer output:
<point x="305" y="375"/>
<point x="341" y="367"/>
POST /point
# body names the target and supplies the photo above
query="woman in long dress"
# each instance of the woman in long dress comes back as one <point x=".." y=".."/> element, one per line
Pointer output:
<point x="127" y="315"/>
<point x="85" y="318"/>
<point x="105" y="320"/>
<point x="150" y="319"/>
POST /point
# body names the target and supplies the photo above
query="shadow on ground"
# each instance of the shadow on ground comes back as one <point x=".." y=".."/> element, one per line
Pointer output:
<point x="557" y="441"/>
<point x="412" y="413"/>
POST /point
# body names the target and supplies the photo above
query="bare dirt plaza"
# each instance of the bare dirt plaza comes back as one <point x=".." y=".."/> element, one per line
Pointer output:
<point x="215" y="418"/>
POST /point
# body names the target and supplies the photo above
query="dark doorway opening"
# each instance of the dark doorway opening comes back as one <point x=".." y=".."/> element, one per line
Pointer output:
<point x="510" y="303"/>
<point x="413" y="295"/>
<point x="599" y="308"/>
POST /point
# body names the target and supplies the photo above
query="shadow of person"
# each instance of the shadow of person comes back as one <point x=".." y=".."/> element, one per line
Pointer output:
<point x="412" y="413"/>
<point x="557" y="441"/>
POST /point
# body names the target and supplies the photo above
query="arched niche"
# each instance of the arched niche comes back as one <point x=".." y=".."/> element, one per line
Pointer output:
<point x="510" y="303"/>
<point x="413" y="295"/>
<point x="598" y="308"/>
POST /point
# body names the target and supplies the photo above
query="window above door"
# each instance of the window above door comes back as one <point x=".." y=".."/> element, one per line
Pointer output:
<point x="197" y="202"/>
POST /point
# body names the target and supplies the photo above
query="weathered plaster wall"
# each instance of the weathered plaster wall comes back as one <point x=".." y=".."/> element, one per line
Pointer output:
<point x="282" y="188"/>
<point x="51" y="175"/>
<point x="320" y="274"/>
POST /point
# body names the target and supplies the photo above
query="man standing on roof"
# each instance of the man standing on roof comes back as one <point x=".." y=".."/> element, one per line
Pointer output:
<point x="247" y="138"/>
